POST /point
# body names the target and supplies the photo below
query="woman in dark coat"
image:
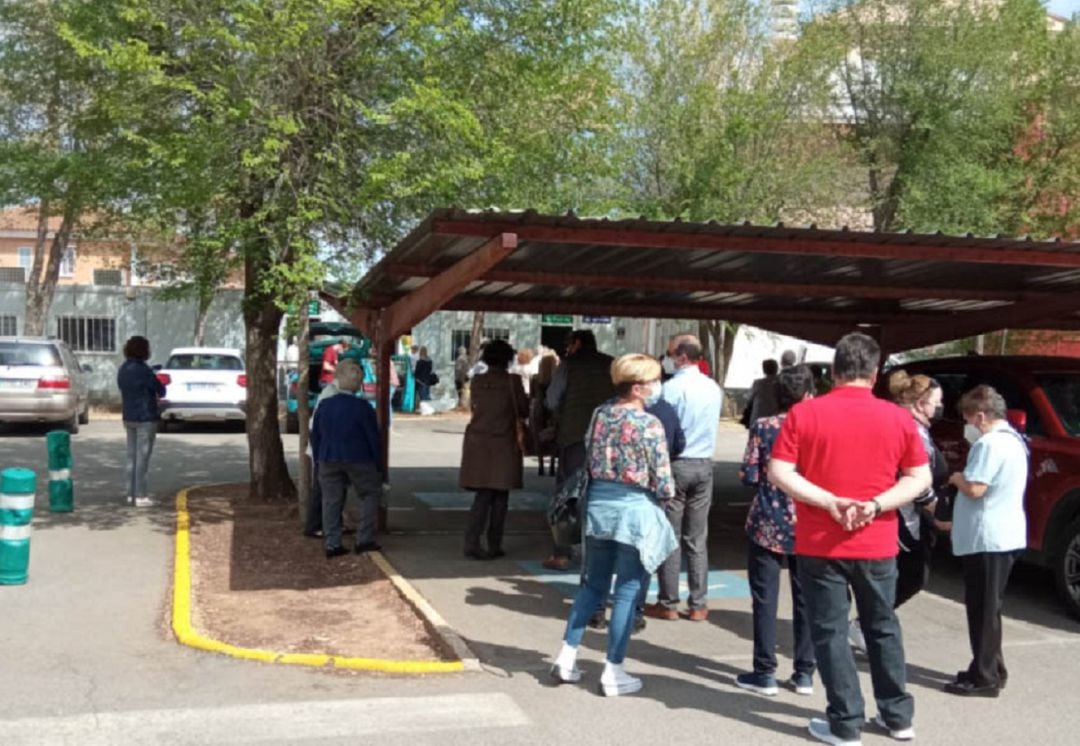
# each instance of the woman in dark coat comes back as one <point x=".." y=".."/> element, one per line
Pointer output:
<point x="491" y="459"/>
<point x="424" y="374"/>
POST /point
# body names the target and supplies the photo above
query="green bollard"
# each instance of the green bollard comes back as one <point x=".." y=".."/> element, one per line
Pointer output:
<point x="61" y="489"/>
<point x="17" y="487"/>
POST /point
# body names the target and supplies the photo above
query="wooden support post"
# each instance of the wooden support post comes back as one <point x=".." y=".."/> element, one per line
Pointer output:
<point x="384" y="348"/>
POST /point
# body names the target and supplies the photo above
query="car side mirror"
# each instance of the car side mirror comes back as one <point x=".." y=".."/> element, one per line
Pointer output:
<point x="1018" y="419"/>
<point x="156" y="367"/>
<point x="86" y="368"/>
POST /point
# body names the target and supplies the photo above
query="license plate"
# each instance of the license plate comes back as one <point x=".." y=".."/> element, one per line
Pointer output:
<point x="17" y="383"/>
<point x="202" y="387"/>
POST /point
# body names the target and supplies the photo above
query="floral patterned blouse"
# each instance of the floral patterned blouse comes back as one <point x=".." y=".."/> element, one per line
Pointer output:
<point x="771" y="521"/>
<point x="628" y="445"/>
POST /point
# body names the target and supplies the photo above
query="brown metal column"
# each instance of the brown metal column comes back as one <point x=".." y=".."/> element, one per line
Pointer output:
<point x="383" y="350"/>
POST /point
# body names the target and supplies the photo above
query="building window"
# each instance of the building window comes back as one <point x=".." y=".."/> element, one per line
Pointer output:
<point x="87" y="333"/>
<point x="12" y="274"/>
<point x="26" y="257"/>
<point x="108" y="277"/>
<point x="67" y="262"/>
<point x="9" y="326"/>
<point x="462" y="338"/>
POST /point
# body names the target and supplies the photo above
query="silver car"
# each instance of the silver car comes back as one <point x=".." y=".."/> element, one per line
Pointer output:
<point x="41" y="381"/>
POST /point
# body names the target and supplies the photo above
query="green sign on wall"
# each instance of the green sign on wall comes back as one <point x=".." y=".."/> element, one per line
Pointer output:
<point x="557" y="319"/>
<point x="313" y="308"/>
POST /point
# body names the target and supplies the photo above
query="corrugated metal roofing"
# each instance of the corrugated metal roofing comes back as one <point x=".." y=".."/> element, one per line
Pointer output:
<point x="790" y="279"/>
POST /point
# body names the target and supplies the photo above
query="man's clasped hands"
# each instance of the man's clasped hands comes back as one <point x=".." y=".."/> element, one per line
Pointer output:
<point x="852" y="514"/>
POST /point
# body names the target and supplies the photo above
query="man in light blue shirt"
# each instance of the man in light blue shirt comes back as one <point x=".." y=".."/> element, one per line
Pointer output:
<point x="989" y="531"/>
<point x="696" y="399"/>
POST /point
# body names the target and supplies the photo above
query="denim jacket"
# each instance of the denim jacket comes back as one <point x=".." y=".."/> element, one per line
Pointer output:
<point x="139" y="390"/>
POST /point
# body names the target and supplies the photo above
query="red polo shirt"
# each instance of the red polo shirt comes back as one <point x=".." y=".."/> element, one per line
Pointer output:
<point x="854" y="445"/>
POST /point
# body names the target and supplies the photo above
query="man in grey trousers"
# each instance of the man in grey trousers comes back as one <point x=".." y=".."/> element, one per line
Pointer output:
<point x="696" y="399"/>
<point x="347" y="449"/>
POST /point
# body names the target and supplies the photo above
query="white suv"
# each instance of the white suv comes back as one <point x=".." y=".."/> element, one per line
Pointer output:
<point x="203" y="384"/>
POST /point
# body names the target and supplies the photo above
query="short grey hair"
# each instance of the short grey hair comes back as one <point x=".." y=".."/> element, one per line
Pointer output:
<point x="349" y="375"/>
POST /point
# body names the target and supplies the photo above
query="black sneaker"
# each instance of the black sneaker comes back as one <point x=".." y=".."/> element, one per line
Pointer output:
<point x="639" y="623"/>
<point x="477" y="554"/>
<point x="598" y="620"/>
<point x="368" y="546"/>
<point x="336" y="552"/>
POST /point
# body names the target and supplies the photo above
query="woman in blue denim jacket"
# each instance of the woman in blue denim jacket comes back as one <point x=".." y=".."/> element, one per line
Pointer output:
<point x="140" y="390"/>
<point x="626" y="532"/>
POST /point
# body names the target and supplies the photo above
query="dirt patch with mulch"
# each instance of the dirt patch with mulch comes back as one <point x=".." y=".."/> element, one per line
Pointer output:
<point x="257" y="582"/>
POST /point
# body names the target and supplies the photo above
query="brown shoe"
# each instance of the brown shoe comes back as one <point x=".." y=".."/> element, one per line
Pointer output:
<point x="554" y="562"/>
<point x="659" y="611"/>
<point x="698" y="615"/>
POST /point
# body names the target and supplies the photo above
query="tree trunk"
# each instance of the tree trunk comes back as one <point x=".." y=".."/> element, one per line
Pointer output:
<point x="200" y="319"/>
<point x="45" y="272"/>
<point x="475" y="336"/>
<point x="303" y="405"/>
<point x="270" y="480"/>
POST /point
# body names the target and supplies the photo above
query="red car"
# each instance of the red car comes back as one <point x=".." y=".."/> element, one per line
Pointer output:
<point x="1043" y="396"/>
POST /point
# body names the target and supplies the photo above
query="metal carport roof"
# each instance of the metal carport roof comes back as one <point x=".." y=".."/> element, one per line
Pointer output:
<point x="907" y="289"/>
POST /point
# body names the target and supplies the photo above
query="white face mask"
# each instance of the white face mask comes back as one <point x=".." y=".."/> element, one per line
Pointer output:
<point x="668" y="365"/>
<point x="971" y="433"/>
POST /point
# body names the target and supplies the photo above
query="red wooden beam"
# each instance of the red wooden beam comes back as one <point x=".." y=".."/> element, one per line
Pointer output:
<point x="893" y="248"/>
<point x="417" y="305"/>
<point x="759" y="316"/>
<point x="693" y="285"/>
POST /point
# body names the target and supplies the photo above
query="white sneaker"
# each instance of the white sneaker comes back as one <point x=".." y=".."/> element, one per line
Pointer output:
<point x="901" y="734"/>
<point x="129" y="500"/>
<point x="565" y="675"/>
<point x="855" y="637"/>
<point x="144" y="502"/>
<point x="820" y="730"/>
<point x="615" y="682"/>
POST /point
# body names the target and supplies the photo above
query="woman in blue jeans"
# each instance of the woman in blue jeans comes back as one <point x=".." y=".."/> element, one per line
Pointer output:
<point x="626" y="532"/>
<point x="140" y="390"/>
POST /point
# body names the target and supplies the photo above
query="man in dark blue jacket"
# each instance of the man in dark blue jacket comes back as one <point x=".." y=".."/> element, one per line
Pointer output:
<point x="345" y="444"/>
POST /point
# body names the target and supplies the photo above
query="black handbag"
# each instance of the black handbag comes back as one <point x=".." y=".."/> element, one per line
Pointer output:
<point x="564" y="513"/>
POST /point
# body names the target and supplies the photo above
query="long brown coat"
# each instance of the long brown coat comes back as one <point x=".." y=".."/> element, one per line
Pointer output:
<point x="490" y="458"/>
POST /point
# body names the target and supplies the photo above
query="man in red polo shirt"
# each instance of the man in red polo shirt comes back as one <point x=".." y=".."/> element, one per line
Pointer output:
<point x="850" y="460"/>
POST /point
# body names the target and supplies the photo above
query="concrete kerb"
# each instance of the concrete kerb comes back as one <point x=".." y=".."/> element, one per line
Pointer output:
<point x="186" y="634"/>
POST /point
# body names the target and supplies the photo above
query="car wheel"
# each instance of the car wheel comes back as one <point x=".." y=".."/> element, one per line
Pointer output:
<point x="1067" y="568"/>
<point x="292" y="423"/>
<point x="72" y="425"/>
<point x="167" y="426"/>
<point x="84" y="418"/>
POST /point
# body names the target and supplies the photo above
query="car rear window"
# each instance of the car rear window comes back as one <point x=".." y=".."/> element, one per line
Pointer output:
<point x="204" y="362"/>
<point x="30" y="355"/>
<point x="1063" y="391"/>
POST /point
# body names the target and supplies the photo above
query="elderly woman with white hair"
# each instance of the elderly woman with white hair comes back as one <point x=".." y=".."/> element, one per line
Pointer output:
<point x="347" y="450"/>
<point x="626" y="532"/>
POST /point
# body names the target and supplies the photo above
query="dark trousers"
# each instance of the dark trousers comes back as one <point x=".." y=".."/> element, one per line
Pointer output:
<point x="688" y="513"/>
<point x="571" y="458"/>
<point x="335" y="479"/>
<point x="763" y="571"/>
<point x="985" y="576"/>
<point x="488" y="510"/>
<point x="825" y="584"/>
<point x="913" y="571"/>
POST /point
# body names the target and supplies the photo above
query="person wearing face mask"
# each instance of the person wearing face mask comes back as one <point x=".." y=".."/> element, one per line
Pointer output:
<point x="989" y="532"/>
<point x="922" y="397"/>
<point x="626" y="532"/>
<point x="697" y="400"/>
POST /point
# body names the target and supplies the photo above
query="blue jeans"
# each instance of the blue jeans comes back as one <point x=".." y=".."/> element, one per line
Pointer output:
<point x="825" y="585"/>
<point x="140" y="445"/>
<point x="605" y="559"/>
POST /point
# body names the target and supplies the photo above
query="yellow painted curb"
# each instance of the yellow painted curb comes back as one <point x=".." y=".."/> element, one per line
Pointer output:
<point x="186" y="634"/>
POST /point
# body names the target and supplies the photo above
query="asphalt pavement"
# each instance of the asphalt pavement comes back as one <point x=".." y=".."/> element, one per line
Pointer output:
<point x="86" y="656"/>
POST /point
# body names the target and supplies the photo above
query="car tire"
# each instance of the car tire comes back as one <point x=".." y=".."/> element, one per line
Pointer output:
<point x="84" y="418"/>
<point x="292" y="423"/>
<point x="72" y="425"/>
<point x="167" y="426"/>
<point x="1067" y="568"/>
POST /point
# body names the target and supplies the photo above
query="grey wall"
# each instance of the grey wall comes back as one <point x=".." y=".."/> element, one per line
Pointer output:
<point x="167" y="324"/>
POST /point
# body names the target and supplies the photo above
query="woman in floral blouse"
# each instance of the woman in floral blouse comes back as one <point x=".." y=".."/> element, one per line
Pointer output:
<point x="770" y="526"/>
<point x="626" y="533"/>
